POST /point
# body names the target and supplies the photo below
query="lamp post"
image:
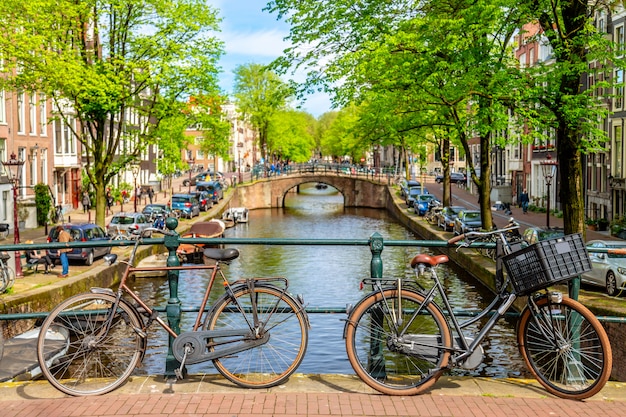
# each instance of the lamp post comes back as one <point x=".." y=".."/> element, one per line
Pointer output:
<point x="190" y="162"/>
<point x="15" y="171"/>
<point x="548" y="168"/>
<point x="135" y="170"/>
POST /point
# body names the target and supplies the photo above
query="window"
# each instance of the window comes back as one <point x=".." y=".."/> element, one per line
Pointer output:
<point x="619" y="38"/>
<point x="3" y="114"/>
<point x="32" y="113"/>
<point x="617" y="137"/>
<point x="20" y="112"/>
<point x="619" y="88"/>
<point x="43" y="115"/>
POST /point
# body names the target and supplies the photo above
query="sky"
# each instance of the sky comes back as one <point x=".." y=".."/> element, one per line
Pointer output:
<point x="251" y="35"/>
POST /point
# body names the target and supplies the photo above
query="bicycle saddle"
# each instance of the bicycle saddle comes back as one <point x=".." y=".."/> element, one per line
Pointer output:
<point x="432" y="260"/>
<point x="223" y="255"/>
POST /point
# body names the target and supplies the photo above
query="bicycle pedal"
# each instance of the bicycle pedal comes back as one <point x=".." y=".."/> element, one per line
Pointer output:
<point x="179" y="374"/>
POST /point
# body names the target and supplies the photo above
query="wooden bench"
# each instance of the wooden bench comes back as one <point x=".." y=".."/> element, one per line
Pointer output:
<point x="30" y="266"/>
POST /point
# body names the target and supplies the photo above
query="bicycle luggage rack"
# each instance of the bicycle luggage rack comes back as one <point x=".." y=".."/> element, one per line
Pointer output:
<point x="546" y="263"/>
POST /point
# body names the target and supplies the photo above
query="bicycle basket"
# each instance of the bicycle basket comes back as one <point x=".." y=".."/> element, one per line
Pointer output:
<point x="546" y="263"/>
<point x="4" y="255"/>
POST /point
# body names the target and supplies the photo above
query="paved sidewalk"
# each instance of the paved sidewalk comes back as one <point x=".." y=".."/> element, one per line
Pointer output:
<point x="306" y="395"/>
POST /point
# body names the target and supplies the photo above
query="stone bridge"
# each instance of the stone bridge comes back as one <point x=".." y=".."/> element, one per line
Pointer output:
<point x="271" y="192"/>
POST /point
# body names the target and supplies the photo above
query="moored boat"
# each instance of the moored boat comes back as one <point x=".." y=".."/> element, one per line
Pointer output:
<point x="236" y="214"/>
<point x="192" y="252"/>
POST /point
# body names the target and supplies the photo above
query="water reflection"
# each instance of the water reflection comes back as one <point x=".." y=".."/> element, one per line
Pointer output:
<point x="326" y="277"/>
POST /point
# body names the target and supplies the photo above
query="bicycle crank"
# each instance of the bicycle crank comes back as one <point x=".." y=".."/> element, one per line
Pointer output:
<point x="201" y="346"/>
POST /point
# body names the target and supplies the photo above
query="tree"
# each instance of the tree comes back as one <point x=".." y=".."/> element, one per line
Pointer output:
<point x="207" y="112"/>
<point x="259" y="95"/>
<point x="119" y="67"/>
<point x="576" y="115"/>
<point x="290" y="136"/>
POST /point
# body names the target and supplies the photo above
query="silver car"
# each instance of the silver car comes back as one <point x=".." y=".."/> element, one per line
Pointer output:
<point x="608" y="269"/>
<point x="128" y="224"/>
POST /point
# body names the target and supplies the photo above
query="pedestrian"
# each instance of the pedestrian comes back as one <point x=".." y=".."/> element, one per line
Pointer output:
<point x="35" y="256"/>
<point x="150" y="194"/>
<point x="64" y="237"/>
<point x="523" y="199"/>
<point x="86" y="202"/>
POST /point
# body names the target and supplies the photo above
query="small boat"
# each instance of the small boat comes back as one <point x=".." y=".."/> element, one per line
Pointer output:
<point x="321" y="186"/>
<point x="192" y="252"/>
<point x="19" y="360"/>
<point x="236" y="214"/>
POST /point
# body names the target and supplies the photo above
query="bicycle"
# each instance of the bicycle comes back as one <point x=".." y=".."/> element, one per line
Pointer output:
<point x="255" y="334"/>
<point x="7" y="275"/>
<point x="400" y="341"/>
<point x="4" y="231"/>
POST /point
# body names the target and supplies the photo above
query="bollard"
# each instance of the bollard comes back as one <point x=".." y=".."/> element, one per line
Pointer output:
<point x="173" y="303"/>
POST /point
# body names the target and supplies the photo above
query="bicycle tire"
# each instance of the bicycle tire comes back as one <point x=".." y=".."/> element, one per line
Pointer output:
<point x="559" y="367"/>
<point x="403" y="373"/>
<point x="11" y="276"/>
<point x="90" y="363"/>
<point x="269" y="364"/>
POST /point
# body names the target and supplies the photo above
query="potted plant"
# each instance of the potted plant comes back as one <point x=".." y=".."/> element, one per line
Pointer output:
<point x="592" y="224"/>
<point x="22" y="215"/>
<point x="603" y="224"/>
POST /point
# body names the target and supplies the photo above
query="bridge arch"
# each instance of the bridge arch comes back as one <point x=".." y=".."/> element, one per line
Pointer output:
<point x="271" y="192"/>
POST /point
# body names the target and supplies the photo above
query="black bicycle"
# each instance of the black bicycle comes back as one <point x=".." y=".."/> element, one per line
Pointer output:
<point x="399" y="341"/>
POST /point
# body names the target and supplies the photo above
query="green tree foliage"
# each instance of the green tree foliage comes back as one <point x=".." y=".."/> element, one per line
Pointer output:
<point x="259" y="95"/>
<point x="216" y="128"/>
<point x="43" y="202"/>
<point x="291" y="136"/>
<point x="107" y="62"/>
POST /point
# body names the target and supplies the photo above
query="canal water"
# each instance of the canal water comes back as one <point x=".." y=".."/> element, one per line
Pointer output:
<point x="326" y="276"/>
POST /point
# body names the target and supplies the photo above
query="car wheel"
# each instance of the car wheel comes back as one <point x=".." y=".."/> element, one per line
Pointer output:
<point x="611" y="284"/>
<point x="89" y="259"/>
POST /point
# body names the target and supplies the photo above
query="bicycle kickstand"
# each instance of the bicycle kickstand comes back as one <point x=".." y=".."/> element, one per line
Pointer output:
<point x="179" y="372"/>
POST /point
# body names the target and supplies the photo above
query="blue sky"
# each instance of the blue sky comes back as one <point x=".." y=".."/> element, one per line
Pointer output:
<point x="254" y="36"/>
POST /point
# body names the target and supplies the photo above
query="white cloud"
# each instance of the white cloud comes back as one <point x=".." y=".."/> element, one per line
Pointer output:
<point x="266" y="43"/>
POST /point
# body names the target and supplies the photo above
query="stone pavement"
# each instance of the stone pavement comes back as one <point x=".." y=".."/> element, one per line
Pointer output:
<point x="306" y="395"/>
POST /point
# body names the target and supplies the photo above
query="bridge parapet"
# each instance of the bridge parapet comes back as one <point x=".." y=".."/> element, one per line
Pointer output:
<point x="271" y="192"/>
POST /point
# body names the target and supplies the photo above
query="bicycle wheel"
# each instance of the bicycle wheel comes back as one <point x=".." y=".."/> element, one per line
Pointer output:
<point x="566" y="348"/>
<point x="278" y="314"/>
<point x="76" y="352"/>
<point x="10" y="276"/>
<point x="397" y="360"/>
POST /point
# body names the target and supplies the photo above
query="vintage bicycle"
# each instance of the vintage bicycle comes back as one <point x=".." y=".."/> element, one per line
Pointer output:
<point x="255" y="334"/>
<point x="400" y="341"/>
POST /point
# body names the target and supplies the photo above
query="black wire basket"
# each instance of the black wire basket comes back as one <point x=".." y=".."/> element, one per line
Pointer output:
<point x="546" y="263"/>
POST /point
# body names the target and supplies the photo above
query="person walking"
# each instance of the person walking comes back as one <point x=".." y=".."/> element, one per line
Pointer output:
<point x="523" y="199"/>
<point x="150" y="194"/>
<point x="86" y="202"/>
<point x="64" y="237"/>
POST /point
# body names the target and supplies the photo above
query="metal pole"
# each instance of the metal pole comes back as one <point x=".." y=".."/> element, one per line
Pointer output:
<point x="16" y="235"/>
<point x="135" y="194"/>
<point x="173" y="303"/>
<point x="548" y="203"/>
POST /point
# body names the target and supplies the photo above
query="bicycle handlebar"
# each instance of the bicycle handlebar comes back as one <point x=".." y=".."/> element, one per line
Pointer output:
<point x="150" y="230"/>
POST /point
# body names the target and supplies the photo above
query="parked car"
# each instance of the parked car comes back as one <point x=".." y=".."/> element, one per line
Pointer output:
<point x="423" y="203"/>
<point x="153" y="210"/>
<point x="205" y="199"/>
<point x="608" y="270"/>
<point x="405" y="186"/>
<point x="186" y="204"/>
<point x="467" y="221"/>
<point x="447" y="217"/>
<point x="534" y="234"/>
<point x="85" y="232"/>
<point x="455" y="177"/>
<point x="214" y="188"/>
<point x="130" y="224"/>
<point x="203" y="176"/>
<point x="413" y="193"/>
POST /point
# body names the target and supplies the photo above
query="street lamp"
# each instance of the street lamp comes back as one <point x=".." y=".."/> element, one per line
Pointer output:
<point x="15" y="171"/>
<point x="135" y="170"/>
<point x="190" y="162"/>
<point x="548" y="168"/>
